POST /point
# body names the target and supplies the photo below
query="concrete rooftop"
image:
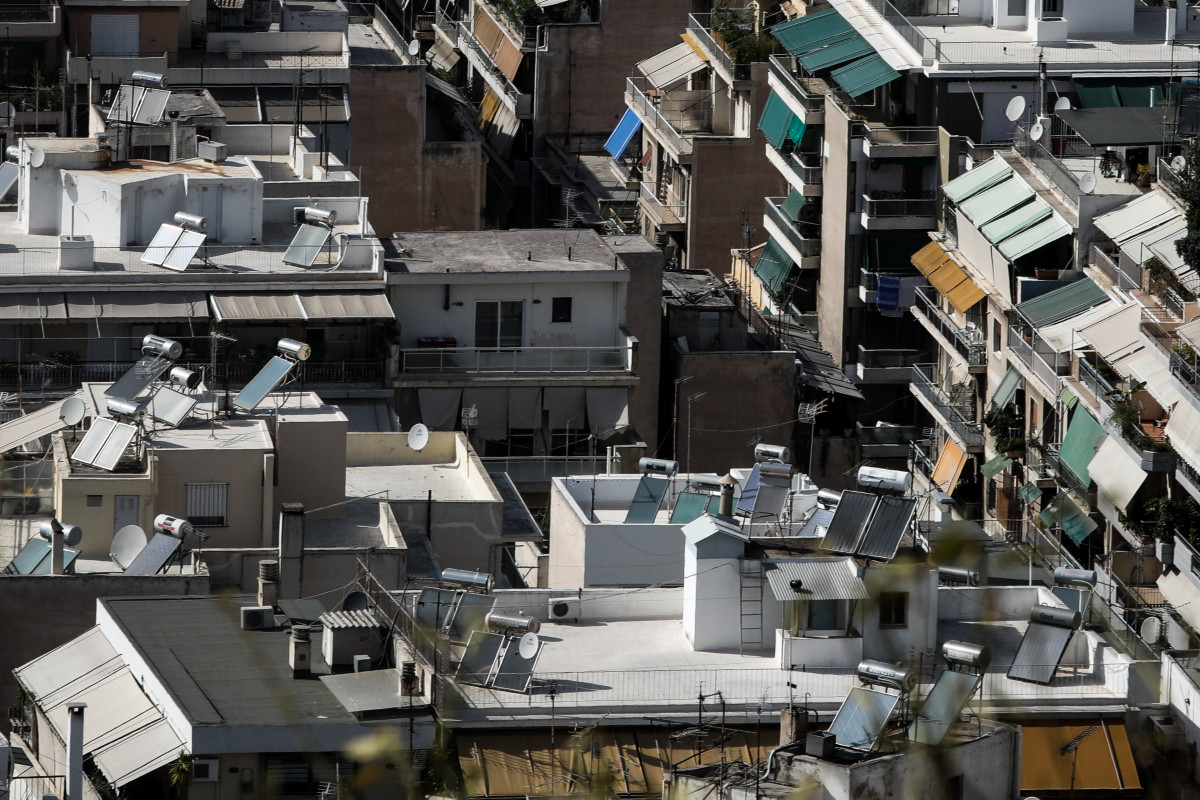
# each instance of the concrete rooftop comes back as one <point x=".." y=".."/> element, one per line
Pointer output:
<point x="511" y="251"/>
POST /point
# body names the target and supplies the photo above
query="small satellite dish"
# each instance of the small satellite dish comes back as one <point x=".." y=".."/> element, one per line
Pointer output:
<point x="1062" y="104"/>
<point x="37" y="156"/>
<point x="1087" y="184"/>
<point x="1016" y="109"/>
<point x="1151" y="629"/>
<point x="1178" y="163"/>
<point x="418" y="437"/>
<point x="355" y="601"/>
<point x="1037" y="131"/>
<point x="72" y="411"/>
<point x="528" y="646"/>
<point x="414" y="48"/>
<point x="126" y="545"/>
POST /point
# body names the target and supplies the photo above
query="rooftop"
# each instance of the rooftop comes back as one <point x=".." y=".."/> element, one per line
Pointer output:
<point x="511" y="251"/>
<point x="694" y="288"/>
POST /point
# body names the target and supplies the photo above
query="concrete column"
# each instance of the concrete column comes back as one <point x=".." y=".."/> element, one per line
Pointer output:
<point x="74" y="788"/>
<point x="291" y="550"/>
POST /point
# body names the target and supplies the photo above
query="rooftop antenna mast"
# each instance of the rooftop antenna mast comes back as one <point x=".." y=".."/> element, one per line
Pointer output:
<point x="215" y="338"/>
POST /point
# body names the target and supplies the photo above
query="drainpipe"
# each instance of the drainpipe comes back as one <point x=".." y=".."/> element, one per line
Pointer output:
<point x="74" y="789"/>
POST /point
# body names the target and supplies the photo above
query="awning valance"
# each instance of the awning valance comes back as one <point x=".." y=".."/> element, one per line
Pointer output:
<point x="819" y="579"/>
<point x="28" y="306"/>
<point x="1116" y="473"/>
<point x="671" y="66"/>
<point x="1079" y="445"/>
<point x="623" y="134"/>
<point x="301" y="306"/>
<point x="811" y="32"/>
<point x="971" y="182"/>
<point x="865" y="74"/>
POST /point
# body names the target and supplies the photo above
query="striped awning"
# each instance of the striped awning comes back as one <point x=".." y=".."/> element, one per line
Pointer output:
<point x="945" y="275"/>
<point x="865" y="74"/>
<point x="811" y="32"/>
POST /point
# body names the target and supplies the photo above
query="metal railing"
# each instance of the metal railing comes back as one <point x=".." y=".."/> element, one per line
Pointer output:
<point x="1064" y="472"/>
<point x="807" y="247"/>
<point x="968" y="343"/>
<point x="1188" y="373"/>
<point x="1169" y="177"/>
<point x="468" y="36"/>
<point x="922" y="204"/>
<point x="698" y="26"/>
<point x="967" y="430"/>
<point x="1050" y="166"/>
<point x="925" y="47"/>
<point x="667" y="213"/>
<point x="260" y="59"/>
<point x="887" y="358"/>
<point x="803" y="165"/>
<point x="784" y="70"/>
<point x="1095" y="383"/>
<point x="884" y="135"/>
<point x="653" y="118"/>
<point x="527" y="469"/>
<point x="27" y="13"/>
<point x="1109" y="264"/>
<point x="869" y="279"/>
<point x="518" y="359"/>
<point x="923" y="456"/>
<point x="446" y="24"/>
<point x="69" y="376"/>
<point x="1028" y="354"/>
<point x="1093" y="51"/>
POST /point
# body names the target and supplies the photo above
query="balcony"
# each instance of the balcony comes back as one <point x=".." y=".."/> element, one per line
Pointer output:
<point x="658" y="114"/>
<point x="805" y="95"/>
<point x="1027" y="352"/>
<point x="891" y="210"/>
<point x="669" y="215"/>
<point x="968" y="432"/>
<point x="1097" y="386"/>
<point x="922" y="457"/>
<point x="805" y="251"/>
<point x="967" y="344"/>
<point x="1073" y="483"/>
<point x="710" y="41"/>
<point x="31" y="21"/>
<point x="1187" y="372"/>
<point x="885" y="441"/>
<point x="1109" y="264"/>
<point x="518" y="102"/>
<point x="801" y="170"/>
<point x="885" y="366"/>
<point x="461" y="361"/>
<point x="884" y="142"/>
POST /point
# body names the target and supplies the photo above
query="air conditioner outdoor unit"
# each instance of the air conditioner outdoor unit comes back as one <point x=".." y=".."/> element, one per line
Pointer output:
<point x="205" y="769"/>
<point x="564" y="609"/>
<point x="257" y="618"/>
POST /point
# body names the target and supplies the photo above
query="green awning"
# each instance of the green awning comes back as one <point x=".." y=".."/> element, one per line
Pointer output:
<point x="1079" y="445"/>
<point x="985" y="176"/>
<point x="863" y="75"/>
<point x="1068" y="398"/>
<point x="775" y="120"/>
<point x="1031" y="239"/>
<point x="995" y="466"/>
<point x="1063" y="512"/>
<point x="1006" y="388"/>
<point x="773" y="267"/>
<point x="813" y="31"/>
<point x="1022" y="218"/>
<point x="996" y="201"/>
<point x="796" y="130"/>
<point x="792" y="205"/>
<point x="834" y="54"/>
<point x="1061" y="304"/>
<point x="1030" y="493"/>
<point x="1100" y="93"/>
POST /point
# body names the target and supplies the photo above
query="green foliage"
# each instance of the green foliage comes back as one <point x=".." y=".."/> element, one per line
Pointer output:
<point x="1006" y="427"/>
<point x="1184" y="351"/>
<point x="1162" y="516"/>
<point x="1127" y="418"/>
<point x="1188" y="247"/>
<point x="180" y="773"/>
<point x="1162" y="278"/>
<point x="734" y="28"/>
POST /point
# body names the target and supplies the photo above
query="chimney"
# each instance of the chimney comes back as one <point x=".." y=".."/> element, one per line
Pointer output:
<point x="409" y="685"/>
<point x="299" y="651"/>
<point x="291" y="550"/>
<point x="268" y="583"/>
<point x="56" y="553"/>
<point x="74" y="749"/>
<point x="725" y="505"/>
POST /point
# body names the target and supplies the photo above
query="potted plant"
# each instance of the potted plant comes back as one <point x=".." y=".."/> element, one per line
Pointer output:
<point x="1007" y="429"/>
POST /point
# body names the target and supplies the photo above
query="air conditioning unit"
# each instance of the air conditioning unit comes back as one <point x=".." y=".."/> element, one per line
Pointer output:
<point x="564" y="609"/>
<point x="257" y="618"/>
<point x="211" y="151"/>
<point x="205" y="769"/>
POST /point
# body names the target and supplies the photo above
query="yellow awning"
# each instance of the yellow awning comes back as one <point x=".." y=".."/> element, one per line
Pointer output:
<point x="949" y="466"/>
<point x="952" y="282"/>
<point x="696" y="48"/>
<point x="1093" y="757"/>
<point x="929" y="258"/>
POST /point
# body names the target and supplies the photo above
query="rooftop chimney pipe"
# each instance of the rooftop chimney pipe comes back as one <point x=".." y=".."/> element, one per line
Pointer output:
<point x="74" y="788"/>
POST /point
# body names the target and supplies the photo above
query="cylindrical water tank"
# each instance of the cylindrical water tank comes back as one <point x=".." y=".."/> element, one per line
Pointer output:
<point x="468" y="579"/>
<point x="772" y="452"/>
<point x="500" y="621"/>
<point x="1053" y="615"/>
<point x="891" y="479"/>
<point x="962" y="575"/>
<point x="829" y="497"/>
<point x="658" y="465"/>
<point x="126" y="408"/>
<point x="182" y="376"/>
<point x="72" y="534"/>
<point x="1064" y="576"/>
<point x="192" y="222"/>
<point x="299" y="350"/>
<point x="172" y="526"/>
<point x="885" y="674"/>
<point x="321" y="216"/>
<point x="161" y="346"/>
<point x="973" y="655"/>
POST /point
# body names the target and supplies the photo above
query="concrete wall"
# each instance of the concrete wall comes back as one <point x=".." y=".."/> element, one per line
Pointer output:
<point x="837" y="196"/>
<point x="158" y="28"/>
<point x="311" y="459"/>
<point x="249" y="474"/>
<point x="568" y="541"/>
<point x="1180" y="692"/>
<point x="899" y="644"/>
<point x="325" y="571"/>
<point x="643" y="318"/>
<point x="711" y="616"/>
<point x="803" y="652"/>
<point x="89" y="501"/>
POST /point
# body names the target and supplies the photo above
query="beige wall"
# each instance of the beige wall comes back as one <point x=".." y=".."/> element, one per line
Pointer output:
<point x="836" y="195"/>
<point x="71" y="504"/>
<point x="643" y="318"/>
<point x="568" y="544"/>
<point x="378" y="449"/>
<point x="310" y="452"/>
<point x="246" y="471"/>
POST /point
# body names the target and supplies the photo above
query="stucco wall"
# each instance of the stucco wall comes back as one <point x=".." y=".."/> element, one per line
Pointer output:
<point x="836" y="198"/>
<point x="158" y="28"/>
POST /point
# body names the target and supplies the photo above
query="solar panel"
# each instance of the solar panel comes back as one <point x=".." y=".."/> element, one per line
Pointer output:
<point x="263" y="383"/>
<point x="516" y="671"/>
<point x="173" y="247"/>
<point x="468" y="617"/>
<point x="89" y="446"/>
<point x="862" y="718"/>
<point x="154" y="556"/>
<point x="27" y="560"/>
<point x="143" y="105"/>
<point x="34" y="425"/>
<point x="9" y="172"/>
<point x="114" y="446"/>
<point x="145" y="371"/>
<point x="892" y="517"/>
<point x="1044" y="644"/>
<point x="849" y="522"/>
<point x="433" y="607"/>
<point x="169" y="406"/>
<point x="479" y="658"/>
<point x="647" y="499"/>
<point x="688" y="506"/>
<point x="773" y="492"/>
<point x="306" y="245"/>
<point x="941" y="708"/>
<point x="745" y="503"/>
<point x="821" y="517"/>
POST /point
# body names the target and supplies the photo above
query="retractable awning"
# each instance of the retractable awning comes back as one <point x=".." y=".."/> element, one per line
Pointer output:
<point x="776" y="120"/>
<point x="1018" y="220"/>
<point x="865" y="74"/>
<point x="1128" y="127"/>
<point x="28" y="306"/>
<point x="671" y="66"/>
<point x="1032" y="238"/>
<point x="1115" y="335"/>
<point x="623" y="134"/>
<point x="1079" y="445"/>
<point x="439" y="408"/>
<point x="1064" y="336"/>
<point x="1136" y="217"/>
<point x="300" y="306"/>
<point x="607" y="410"/>
<point x="345" y="305"/>
<point x="1069" y="517"/>
<point x="1190" y="332"/>
<point x="971" y="182"/>
<point x="996" y="201"/>
<point x="834" y="54"/>
<point x="773" y="267"/>
<point x="819" y="579"/>
<point x="1117" y="473"/>
<point x="1007" y="388"/>
<point x="1064" y="303"/>
<point x="996" y="465"/>
<point x="1147" y="366"/>
<point x="1183" y="429"/>
<point x="945" y="275"/>
<point x="949" y="467"/>
<point x="811" y="32"/>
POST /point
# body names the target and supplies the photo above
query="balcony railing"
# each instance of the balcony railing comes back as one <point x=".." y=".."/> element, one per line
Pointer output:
<point x="1169" y="177"/>
<point x="1095" y="383"/>
<point x="1050" y="166"/>
<point x="784" y="70"/>
<point x="923" y="455"/>
<point x="887" y="358"/>
<point x="925" y="47"/>
<point x="468" y="36"/>
<point x="698" y="26"/>
<point x="921" y="204"/>
<point x="808" y="246"/>
<point x="968" y="343"/>
<point x="667" y="213"/>
<point x="1064" y="472"/>
<point x="884" y="135"/>
<point x="1109" y="264"/>
<point x="518" y="360"/>
<point x="1187" y="372"/>
<point x="1028" y="354"/>
<point x="652" y="115"/>
<point x="27" y="13"/>
<point x="536" y="469"/>
<point x="967" y="430"/>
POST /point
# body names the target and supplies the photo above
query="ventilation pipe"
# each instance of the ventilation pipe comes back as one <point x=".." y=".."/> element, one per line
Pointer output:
<point x="56" y="553"/>
<point x="300" y="651"/>
<point x="291" y="550"/>
<point x="74" y="750"/>
<point x="725" y="505"/>
<point x="268" y="583"/>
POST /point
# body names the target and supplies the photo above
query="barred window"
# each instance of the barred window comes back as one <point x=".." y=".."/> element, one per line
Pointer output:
<point x="207" y="504"/>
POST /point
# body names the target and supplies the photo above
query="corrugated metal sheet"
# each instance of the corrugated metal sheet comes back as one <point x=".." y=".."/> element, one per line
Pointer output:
<point x="359" y="618"/>
<point x="984" y="176"/>
<point x="892" y="518"/>
<point x="822" y="579"/>
<point x="1040" y="652"/>
<point x="849" y="522"/>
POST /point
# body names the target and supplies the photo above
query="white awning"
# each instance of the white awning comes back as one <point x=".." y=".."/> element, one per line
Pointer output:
<point x="1136" y="217"/>
<point x="1190" y="332"/>
<point x="345" y="305"/>
<point x="607" y="410"/>
<point x="439" y="408"/>
<point x="257" y="307"/>
<point x="26" y="306"/>
<point x="1115" y="336"/>
<point x="1146" y="365"/>
<point x="1183" y="595"/>
<point x="139" y="753"/>
<point x="1183" y="429"/>
<point x="491" y="405"/>
<point x="1117" y="474"/>
<point x="141" y="306"/>
<point x="671" y="66"/>
<point x="1065" y="335"/>
<point x="524" y="408"/>
<point x="1137" y="248"/>
<point x="565" y="407"/>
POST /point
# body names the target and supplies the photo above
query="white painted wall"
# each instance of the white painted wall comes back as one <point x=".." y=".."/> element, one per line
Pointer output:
<point x="1100" y="16"/>
<point x="802" y="652"/>
<point x="900" y="644"/>
<point x="711" y="613"/>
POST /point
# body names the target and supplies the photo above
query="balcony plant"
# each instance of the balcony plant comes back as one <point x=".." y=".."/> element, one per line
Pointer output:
<point x="1188" y="248"/>
<point x="1127" y="418"/>
<point x="1161" y="279"/>
<point x="1163" y="516"/>
<point x="1007" y="429"/>
<point x="734" y="30"/>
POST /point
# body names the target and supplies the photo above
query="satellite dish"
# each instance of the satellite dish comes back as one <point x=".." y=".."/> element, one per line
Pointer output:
<point x="1178" y="163"/>
<point x="355" y="601"/>
<point x="418" y="437"/>
<point x="126" y="545"/>
<point x="7" y="113"/>
<point x="37" y="157"/>
<point x="414" y="48"/>
<point x="1037" y="131"/>
<point x="72" y="411"/>
<point x="1151" y="629"/>
<point x="1062" y="104"/>
<point x="1087" y="184"/>
<point x="1016" y="109"/>
<point x="528" y="646"/>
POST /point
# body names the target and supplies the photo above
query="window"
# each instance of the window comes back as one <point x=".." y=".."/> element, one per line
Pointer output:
<point x="207" y="504"/>
<point x="823" y="615"/>
<point x="499" y="323"/>
<point x="1016" y="8"/>
<point x="997" y="345"/>
<point x="560" y="309"/>
<point x="1052" y="9"/>
<point x="893" y="609"/>
<point x="95" y="500"/>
